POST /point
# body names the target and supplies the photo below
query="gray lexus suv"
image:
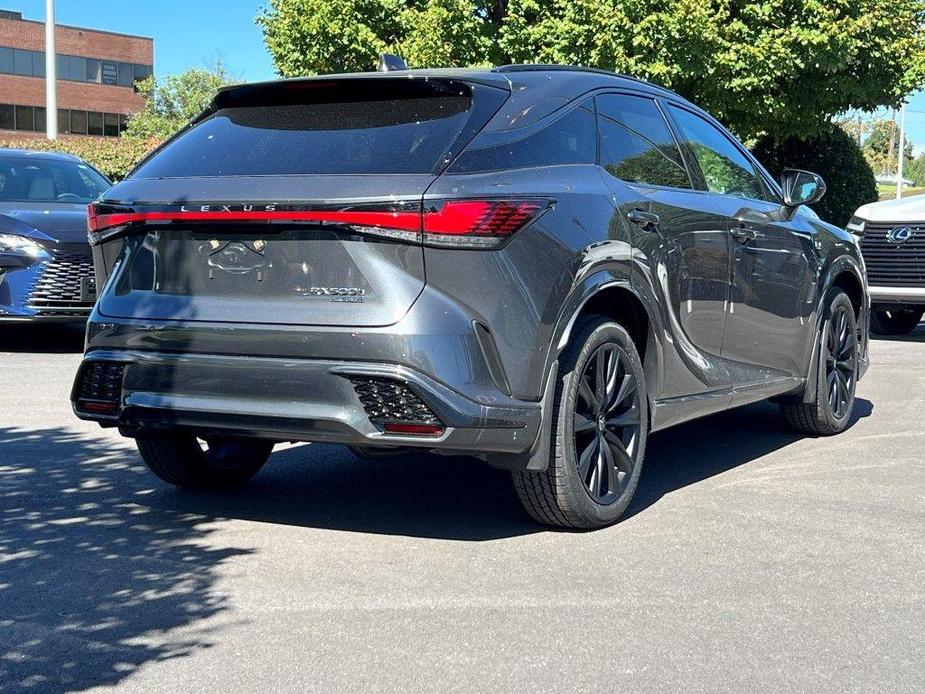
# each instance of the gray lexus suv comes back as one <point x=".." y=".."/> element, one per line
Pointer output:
<point x="535" y="265"/>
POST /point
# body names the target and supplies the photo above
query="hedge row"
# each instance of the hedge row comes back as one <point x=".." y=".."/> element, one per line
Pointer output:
<point x="834" y="155"/>
<point x="113" y="156"/>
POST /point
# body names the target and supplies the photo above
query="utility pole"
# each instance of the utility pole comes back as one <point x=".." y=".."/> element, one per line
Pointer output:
<point x="889" y="152"/>
<point x="51" y="77"/>
<point x="902" y="152"/>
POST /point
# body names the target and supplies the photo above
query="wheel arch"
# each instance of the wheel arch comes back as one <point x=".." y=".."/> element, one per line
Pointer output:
<point x="846" y="273"/>
<point x="603" y="293"/>
<point x="849" y="281"/>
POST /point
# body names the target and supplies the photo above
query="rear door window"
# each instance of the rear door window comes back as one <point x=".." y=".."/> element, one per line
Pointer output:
<point x="366" y="134"/>
<point x="636" y="143"/>
<point x="570" y="139"/>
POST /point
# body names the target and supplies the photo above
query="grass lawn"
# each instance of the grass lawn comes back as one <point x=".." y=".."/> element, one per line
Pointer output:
<point x="888" y="191"/>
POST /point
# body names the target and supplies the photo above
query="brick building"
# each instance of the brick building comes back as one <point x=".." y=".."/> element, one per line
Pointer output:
<point x="97" y="71"/>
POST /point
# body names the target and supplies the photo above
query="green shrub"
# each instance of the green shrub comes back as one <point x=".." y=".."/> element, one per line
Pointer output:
<point x="834" y="155"/>
<point x="113" y="156"/>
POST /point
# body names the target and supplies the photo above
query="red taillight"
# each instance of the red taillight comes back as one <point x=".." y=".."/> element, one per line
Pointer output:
<point x="478" y="222"/>
<point x="454" y="223"/>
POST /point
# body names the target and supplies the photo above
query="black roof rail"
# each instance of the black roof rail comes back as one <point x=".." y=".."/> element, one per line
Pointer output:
<point x="539" y="67"/>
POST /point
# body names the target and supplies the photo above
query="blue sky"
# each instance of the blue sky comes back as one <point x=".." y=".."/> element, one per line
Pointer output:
<point x="187" y="33"/>
<point x="193" y="33"/>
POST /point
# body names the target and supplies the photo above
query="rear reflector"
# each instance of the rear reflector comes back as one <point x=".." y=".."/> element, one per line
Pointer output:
<point x="453" y="223"/>
<point x="98" y="389"/>
<point x="412" y="429"/>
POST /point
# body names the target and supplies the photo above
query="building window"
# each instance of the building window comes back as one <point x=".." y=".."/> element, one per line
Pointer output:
<point x="6" y="61"/>
<point x="112" y="124"/>
<point x="7" y="119"/>
<point x="32" y="118"/>
<point x="15" y="61"/>
<point x="79" y="122"/>
<point x="25" y="118"/>
<point x="93" y="70"/>
<point x="94" y="123"/>
<point x="142" y="72"/>
<point x="76" y="69"/>
<point x="22" y="62"/>
<point x="126" y="74"/>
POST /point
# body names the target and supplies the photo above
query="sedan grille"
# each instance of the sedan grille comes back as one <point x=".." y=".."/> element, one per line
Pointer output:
<point x="58" y="286"/>
<point x="890" y="264"/>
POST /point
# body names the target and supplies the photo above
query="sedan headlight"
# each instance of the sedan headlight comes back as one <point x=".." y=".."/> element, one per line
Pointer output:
<point x="11" y="244"/>
<point x="20" y="251"/>
<point x="856" y="226"/>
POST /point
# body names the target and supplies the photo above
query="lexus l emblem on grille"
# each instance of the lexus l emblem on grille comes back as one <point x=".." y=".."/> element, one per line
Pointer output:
<point x="899" y="235"/>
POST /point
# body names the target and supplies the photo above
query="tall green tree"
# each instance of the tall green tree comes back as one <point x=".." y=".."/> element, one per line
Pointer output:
<point x="172" y="102"/>
<point x="881" y="154"/>
<point x="319" y="36"/>
<point x="777" y="72"/>
<point x="916" y="170"/>
<point x="783" y="67"/>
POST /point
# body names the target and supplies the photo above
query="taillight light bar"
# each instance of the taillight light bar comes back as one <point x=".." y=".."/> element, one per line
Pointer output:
<point x="478" y="223"/>
<point x="481" y="223"/>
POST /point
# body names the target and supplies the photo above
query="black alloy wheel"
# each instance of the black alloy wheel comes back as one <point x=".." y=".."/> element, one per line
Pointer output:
<point x="606" y="424"/>
<point x="826" y="410"/>
<point x="841" y="360"/>
<point x="600" y="426"/>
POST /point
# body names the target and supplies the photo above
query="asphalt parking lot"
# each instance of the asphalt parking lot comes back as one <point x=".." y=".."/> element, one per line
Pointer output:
<point x="751" y="560"/>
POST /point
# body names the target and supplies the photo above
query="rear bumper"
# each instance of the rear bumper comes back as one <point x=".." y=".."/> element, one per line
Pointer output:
<point x="913" y="296"/>
<point x="285" y="399"/>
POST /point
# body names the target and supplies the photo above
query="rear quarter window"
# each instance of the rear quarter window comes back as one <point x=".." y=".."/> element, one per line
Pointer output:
<point x="571" y="139"/>
<point x="380" y="136"/>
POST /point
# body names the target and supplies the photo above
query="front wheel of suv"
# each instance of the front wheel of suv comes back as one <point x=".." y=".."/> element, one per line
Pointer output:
<point x="214" y="463"/>
<point x="599" y="440"/>
<point x="830" y="411"/>
<point x="895" y="322"/>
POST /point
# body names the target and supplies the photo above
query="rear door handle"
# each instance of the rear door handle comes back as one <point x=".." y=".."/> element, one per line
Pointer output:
<point x="744" y="233"/>
<point x="647" y="221"/>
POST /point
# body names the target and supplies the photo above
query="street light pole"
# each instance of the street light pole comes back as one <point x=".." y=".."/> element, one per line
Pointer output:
<point x="902" y="152"/>
<point x="51" y="77"/>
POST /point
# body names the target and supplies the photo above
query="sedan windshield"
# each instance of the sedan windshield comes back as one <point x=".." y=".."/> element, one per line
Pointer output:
<point x="34" y="179"/>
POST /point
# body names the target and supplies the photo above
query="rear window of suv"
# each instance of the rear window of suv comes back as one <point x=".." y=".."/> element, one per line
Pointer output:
<point x="374" y="136"/>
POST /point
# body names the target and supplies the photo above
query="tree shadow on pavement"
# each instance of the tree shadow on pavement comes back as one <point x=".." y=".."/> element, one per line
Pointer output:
<point x="92" y="580"/>
<point x="103" y="568"/>
<point x="42" y="338"/>
<point x="697" y="450"/>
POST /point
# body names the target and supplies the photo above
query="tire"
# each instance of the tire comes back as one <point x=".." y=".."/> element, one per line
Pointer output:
<point x="895" y="322"/>
<point x="589" y="484"/>
<point x="830" y="412"/>
<point x="180" y="460"/>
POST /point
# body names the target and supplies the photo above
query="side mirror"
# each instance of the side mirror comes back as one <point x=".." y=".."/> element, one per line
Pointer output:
<point x="801" y="187"/>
